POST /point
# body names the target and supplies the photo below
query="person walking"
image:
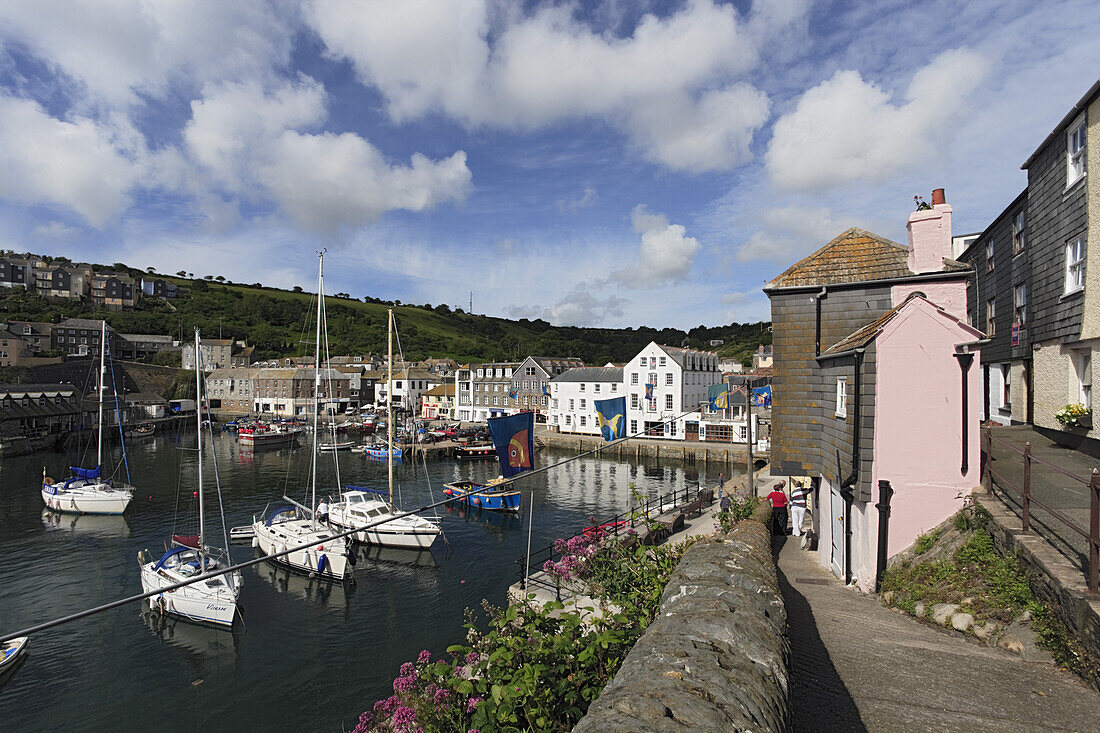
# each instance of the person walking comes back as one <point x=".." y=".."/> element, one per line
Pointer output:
<point x="778" y="501"/>
<point x="798" y="507"/>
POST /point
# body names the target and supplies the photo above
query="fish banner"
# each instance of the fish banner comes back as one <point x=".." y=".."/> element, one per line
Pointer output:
<point x="514" y="440"/>
<point x="611" y="417"/>
<point x="718" y="396"/>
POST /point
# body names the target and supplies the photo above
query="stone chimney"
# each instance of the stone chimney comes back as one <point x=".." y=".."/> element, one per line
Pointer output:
<point x="930" y="235"/>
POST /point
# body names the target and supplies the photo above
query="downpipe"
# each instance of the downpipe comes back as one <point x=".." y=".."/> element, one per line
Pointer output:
<point x="885" y="493"/>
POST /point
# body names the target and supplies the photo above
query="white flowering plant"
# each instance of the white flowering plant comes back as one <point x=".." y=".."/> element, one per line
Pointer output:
<point x="1072" y="414"/>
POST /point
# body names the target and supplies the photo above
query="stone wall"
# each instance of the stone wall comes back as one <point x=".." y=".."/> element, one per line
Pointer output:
<point x="717" y="656"/>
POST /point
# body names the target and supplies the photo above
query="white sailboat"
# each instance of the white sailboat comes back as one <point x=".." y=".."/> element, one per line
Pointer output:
<point x="210" y="601"/>
<point x="86" y="491"/>
<point x="359" y="507"/>
<point x="292" y="526"/>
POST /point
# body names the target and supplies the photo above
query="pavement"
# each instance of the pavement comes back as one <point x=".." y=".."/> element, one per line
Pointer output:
<point x="1067" y="496"/>
<point x="857" y="665"/>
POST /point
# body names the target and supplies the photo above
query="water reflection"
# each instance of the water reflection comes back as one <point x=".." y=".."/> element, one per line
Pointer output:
<point x="206" y="648"/>
<point x="104" y="525"/>
<point x="320" y="590"/>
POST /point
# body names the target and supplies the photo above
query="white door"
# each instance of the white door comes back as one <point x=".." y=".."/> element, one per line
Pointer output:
<point x="838" y="532"/>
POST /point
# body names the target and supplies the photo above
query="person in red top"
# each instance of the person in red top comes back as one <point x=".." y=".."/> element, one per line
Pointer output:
<point x="778" y="500"/>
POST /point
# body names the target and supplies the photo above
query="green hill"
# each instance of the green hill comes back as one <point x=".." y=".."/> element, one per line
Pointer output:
<point x="280" y="323"/>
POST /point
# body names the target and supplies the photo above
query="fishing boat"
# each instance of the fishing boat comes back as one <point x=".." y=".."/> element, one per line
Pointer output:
<point x="263" y="435"/>
<point x="475" y="452"/>
<point x="10" y="651"/>
<point x="343" y="445"/>
<point x="142" y="429"/>
<point x="291" y="534"/>
<point x="495" y="494"/>
<point x="86" y="491"/>
<point x="213" y="600"/>
<point x="379" y="451"/>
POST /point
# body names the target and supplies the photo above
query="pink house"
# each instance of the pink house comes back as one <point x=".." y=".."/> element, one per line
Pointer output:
<point x="877" y="380"/>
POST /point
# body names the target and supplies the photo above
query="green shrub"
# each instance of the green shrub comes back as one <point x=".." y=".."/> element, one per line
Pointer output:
<point x="924" y="542"/>
<point x="740" y="508"/>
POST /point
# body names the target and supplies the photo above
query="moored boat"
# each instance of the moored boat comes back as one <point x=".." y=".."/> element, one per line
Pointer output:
<point x="359" y="507"/>
<point x="484" y="496"/>
<point x="475" y="452"/>
<point x="10" y="652"/>
<point x="379" y="451"/>
<point x="262" y="435"/>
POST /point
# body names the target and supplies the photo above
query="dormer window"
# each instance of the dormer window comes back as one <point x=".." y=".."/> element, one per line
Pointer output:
<point x="1075" y="151"/>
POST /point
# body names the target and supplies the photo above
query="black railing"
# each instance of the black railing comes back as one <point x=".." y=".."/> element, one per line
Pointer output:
<point x="620" y="524"/>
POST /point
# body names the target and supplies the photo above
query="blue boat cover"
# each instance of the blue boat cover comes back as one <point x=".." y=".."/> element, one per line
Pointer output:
<point x="277" y="511"/>
<point x="166" y="556"/>
<point x="89" y="473"/>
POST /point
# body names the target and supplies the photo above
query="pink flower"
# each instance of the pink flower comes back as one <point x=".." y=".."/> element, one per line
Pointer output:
<point x="472" y="703"/>
<point x="425" y="657"/>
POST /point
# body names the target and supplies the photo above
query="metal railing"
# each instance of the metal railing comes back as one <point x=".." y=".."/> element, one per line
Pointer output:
<point x="1092" y="535"/>
<point x="622" y="523"/>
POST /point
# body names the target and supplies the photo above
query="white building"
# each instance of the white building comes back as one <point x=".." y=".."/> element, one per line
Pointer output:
<point x="408" y="387"/>
<point x="573" y="393"/>
<point x="663" y="383"/>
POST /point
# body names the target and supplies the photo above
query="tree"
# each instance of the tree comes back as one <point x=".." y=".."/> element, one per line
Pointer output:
<point x="220" y="278"/>
<point x="297" y="288"/>
<point x="150" y="270"/>
<point x="208" y="277"/>
<point x="181" y="273"/>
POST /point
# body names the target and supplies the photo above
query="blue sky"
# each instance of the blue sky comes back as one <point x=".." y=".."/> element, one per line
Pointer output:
<point x="591" y="163"/>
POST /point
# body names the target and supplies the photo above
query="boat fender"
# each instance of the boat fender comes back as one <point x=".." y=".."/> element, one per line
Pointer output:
<point x="255" y="542"/>
<point x="475" y="501"/>
<point x="322" y="564"/>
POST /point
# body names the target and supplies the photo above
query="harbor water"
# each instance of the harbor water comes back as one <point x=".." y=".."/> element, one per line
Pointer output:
<point x="306" y="654"/>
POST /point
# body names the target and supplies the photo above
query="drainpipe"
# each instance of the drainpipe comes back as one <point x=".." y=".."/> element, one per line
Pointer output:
<point x="847" y="488"/>
<point x="965" y="360"/>
<point x="817" y="321"/>
<point x="885" y="493"/>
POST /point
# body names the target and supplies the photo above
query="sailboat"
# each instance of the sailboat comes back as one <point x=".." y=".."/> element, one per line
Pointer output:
<point x="292" y="526"/>
<point x="360" y="506"/>
<point x="213" y="600"/>
<point x="86" y="491"/>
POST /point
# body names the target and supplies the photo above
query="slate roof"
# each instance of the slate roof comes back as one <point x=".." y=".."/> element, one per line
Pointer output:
<point x="590" y="374"/>
<point x="866" y="334"/>
<point x="678" y="354"/>
<point x="854" y="256"/>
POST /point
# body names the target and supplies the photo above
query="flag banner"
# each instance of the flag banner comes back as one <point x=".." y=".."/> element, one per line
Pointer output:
<point x="718" y="396"/>
<point x="649" y="391"/>
<point x="546" y="389"/>
<point x="514" y="440"/>
<point x="611" y="417"/>
<point x="762" y="396"/>
<point x="513" y="393"/>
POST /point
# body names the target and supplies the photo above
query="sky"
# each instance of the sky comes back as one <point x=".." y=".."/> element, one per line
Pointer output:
<point x="604" y="163"/>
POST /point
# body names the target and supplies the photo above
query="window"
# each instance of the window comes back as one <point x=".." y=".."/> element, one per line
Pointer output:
<point x="653" y="362"/>
<point x="1075" y="151"/>
<point x="568" y="419"/>
<point x="842" y="396"/>
<point x="555" y="403"/>
<point x="668" y="378"/>
<point x="661" y="361"/>
<point x="668" y="402"/>
<point x="633" y="427"/>
<point x="570" y="404"/>
<point x="582" y="386"/>
<point x="596" y="387"/>
<point x="496" y="400"/>
<point x="582" y="419"/>
<point x="529" y="371"/>
<point x="1084" y="378"/>
<point x="989" y="256"/>
<point x="634" y="378"/>
<point x="614" y="387"/>
<point x="634" y="401"/>
<point x="1075" y="264"/>
<point x="1019" y="299"/>
<point x="1006" y="387"/>
<point x="990" y="317"/>
<point x="1019" y="238"/>
<point x="582" y="404"/>
<point x="642" y="361"/>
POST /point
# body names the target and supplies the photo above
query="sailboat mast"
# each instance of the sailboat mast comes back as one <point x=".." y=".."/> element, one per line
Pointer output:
<point x="102" y="388"/>
<point x="198" y="424"/>
<point x="389" y="398"/>
<point x="317" y="384"/>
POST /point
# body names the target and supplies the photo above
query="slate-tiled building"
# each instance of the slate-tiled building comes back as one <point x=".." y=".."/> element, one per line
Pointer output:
<point x="870" y="348"/>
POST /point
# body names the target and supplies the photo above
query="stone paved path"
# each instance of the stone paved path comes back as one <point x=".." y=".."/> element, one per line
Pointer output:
<point x="857" y="665"/>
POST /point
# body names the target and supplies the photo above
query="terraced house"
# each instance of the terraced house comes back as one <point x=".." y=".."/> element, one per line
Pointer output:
<point x="871" y="347"/>
<point x="1036" y="288"/>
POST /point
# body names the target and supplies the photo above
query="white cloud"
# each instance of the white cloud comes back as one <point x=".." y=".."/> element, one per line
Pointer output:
<point x="669" y="85"/>
<point x="116" y="49"/>
<point x="81" y="164"/>
<point x="847" y="130"/>
<point x="790" y="233"/>
<point x="248" y="139"/>
<point x="56" y="230"/>
<point x="582" y="306"/>
<point x="586" y="199"/>
<point x="665" y="254"/>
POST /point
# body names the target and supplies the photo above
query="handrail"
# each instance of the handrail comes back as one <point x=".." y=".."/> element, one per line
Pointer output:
<point x="1092" y="536"/>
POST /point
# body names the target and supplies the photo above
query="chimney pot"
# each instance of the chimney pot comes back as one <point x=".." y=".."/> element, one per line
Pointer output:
<point x="938" y="196"/>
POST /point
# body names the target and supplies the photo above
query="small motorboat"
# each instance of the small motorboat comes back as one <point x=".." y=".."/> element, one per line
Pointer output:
<point x="243" y="533"/>
<point x="475" y="452"/>
<point x="485" y="496"/>
<point x="343" y="445"/>
<point x="10" y="651"/>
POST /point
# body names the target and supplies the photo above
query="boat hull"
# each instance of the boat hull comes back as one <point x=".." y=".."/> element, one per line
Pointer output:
<point x="479" y="453"/>
<point x="88" y="499"/>
<point x="11" y="651"/>
<point x="479" y="496"/>
<point x="194" y="602"/>
<point x="410" y="540"/>
<point x="329" y="559"/>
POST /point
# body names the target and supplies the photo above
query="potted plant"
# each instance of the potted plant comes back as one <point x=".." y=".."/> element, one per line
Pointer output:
<point x="1074" y="415"/>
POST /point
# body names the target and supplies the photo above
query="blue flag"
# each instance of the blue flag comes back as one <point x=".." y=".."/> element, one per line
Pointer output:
<point x="718" y="395"/>
<point x="514" y="440"/>
<point x="611" y="417"/>
<point x="762" y="396"/>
